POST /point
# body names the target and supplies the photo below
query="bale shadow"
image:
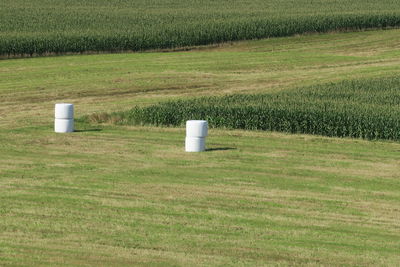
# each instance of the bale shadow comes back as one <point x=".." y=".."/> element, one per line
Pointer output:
<point x="220" y="149"/>
<point x="88" y="130"/>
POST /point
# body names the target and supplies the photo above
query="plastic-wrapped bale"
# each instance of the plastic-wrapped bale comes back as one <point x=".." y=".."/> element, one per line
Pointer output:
<point x="196" y="133"/>
<point x="64" y="118"/>
<point x="64" y="111"/>
<point x="64" y="125"/>
<point x="196" y="128"/>
<point x="195" y="144"/>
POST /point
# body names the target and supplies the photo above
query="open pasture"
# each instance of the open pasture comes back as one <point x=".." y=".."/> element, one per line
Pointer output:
<point x="129" y="195"/>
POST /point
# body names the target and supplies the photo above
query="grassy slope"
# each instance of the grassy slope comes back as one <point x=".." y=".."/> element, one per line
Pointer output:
<point x="131" y="195"/>
<point x="118" y="81"/>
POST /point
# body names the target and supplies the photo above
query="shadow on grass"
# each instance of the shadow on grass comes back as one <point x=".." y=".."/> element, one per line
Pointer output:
<point x="220" y="149"/>
<point x="88" y="130"/>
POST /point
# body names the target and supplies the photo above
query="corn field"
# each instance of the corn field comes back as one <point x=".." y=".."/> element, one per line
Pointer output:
<point x="40" y="27"/>
<point x="368" y="109"/>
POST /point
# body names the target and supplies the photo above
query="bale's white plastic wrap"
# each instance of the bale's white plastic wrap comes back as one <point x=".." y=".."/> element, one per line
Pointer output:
<point x="64" y="118"/>
<point x="64" y="111"/>
<point x="195" y="144"/>
<point x="196" y="128"/>
<point x="64" y="125"/>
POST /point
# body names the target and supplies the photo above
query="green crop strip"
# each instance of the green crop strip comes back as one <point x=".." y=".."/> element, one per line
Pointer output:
<point x="361" y="109"/>
<point x="40" y="27"/>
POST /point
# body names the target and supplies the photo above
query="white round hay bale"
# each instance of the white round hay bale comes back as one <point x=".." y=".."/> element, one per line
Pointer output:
<point x="64" y="125"/>
<point x="195" y="144"/>
<point x="64" y="111"/>
<point x="196" y="128"/>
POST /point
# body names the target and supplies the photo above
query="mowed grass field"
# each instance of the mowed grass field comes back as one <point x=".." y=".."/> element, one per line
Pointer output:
<point x="126" y="195"/>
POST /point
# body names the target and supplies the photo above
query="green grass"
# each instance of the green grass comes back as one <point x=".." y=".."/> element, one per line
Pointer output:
<point x="106" y="83"/>
<point x="123" y="195"/>
<point x="132" y="196"/>
<point x="360" y="109"/>
<point x="39" y="27"/>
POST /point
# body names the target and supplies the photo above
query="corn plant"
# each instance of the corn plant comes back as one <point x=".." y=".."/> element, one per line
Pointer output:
<point x="368" y="109"/>
<point x="39" y="27"/>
